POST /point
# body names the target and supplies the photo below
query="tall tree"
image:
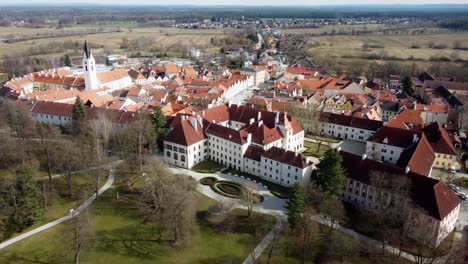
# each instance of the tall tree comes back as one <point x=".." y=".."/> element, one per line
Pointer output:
<point x="101" y="129"/>
<point x="159" y="122"/>
<point x="330" y="175"/>
<point x="295" y="206"/>
<point x="407" y="85"/>
<point x="78" y="116"/>
<point x="25" y="199"/>
<point x="67" y="61"/>
<point x="248" y="195"/>
<point x="47" y="134"/>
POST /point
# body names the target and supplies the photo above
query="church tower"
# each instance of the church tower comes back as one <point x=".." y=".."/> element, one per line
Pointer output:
<point x="89" y="69"/>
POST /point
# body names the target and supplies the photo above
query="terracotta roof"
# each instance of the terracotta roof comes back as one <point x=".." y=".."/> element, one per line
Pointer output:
<point x="402" y="138"/>
<point x="439" y="139"/>
<point x="185" y="134"/>
<point x="51" y="108"/>
<point x="287" y="157"/>
<point x="396" y="123"/>
<point x="357" y="122"/>
<point x="263" y="135"/>
<point x="113" y="75"/>
<point x="410" y="116"/>
<point x="226" y="133"/>
<point x="253" y="153"/>
<point x="430" y="194"/>
<point x="418" y="157"/>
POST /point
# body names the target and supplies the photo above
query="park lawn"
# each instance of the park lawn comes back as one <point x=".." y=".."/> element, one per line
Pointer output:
<point x="312" y="149"/>
<point x="207" y="166"/>
<point x="322" y="138"/>
<point x="462" y="182"/>
<point x="287" y="249"/>
<point x="60" y="203"/>
<point x="120" y="236"/>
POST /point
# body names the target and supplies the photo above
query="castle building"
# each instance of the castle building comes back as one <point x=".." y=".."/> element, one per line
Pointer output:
<point x="250" y="140"/>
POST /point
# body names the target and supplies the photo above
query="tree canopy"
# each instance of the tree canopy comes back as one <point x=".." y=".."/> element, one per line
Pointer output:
<point x="330" y="175"/>
<point x="295" y="206"/>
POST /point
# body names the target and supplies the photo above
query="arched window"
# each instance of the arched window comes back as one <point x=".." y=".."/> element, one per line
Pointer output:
<point x="182" y="158"/>
<point x="168" y="154"/>
<point x="175" y="156"/>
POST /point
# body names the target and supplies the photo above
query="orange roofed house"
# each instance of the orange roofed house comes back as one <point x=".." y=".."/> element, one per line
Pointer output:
<point x="255" y="141"/>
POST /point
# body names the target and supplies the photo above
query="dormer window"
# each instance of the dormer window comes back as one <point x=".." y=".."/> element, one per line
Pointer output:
<point x="385" y="140"/>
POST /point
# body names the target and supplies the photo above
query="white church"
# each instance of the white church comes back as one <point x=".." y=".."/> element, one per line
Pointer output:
<point x="114" y="79"/>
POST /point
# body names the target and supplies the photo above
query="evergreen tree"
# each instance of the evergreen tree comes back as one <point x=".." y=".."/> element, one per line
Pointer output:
<point x="67" y="61"/>
<point x="79" y="113"/>
<point x="407" y="85"/>
<point x="330" y="175"/>
<point x="295" y="206"/>
<point x="159" y="121"/>
<point x="25" y="201"/>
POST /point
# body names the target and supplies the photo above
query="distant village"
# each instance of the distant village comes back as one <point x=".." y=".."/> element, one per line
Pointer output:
<point x="240" y="118"/>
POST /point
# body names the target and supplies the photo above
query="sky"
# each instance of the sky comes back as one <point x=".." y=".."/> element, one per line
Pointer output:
<point x="239" y="2"/>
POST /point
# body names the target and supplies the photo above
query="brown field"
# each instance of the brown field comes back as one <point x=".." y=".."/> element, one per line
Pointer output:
<point x="163" y="38"/>
<point x="394" y="46"/>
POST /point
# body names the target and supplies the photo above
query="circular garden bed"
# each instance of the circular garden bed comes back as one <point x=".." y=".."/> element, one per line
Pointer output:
<point x="228" y="188"/>
<point x="208" y="180"/>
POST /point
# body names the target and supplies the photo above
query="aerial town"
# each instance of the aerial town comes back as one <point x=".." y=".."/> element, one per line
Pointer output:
<point x="305" y="159"/>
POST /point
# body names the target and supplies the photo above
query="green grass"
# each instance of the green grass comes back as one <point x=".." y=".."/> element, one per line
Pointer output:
<point x="120" y="236"/>
<point x="59" y="203"/>
<point x="207" y="166"/>
<point x="322" y="138"/>
<point x="312" y="149"/>
<point x="288" y="249"/>
<point x="462" y="182"/>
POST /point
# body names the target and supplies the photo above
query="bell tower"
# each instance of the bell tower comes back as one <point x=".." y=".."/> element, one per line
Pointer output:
<point x="89" y="69"/>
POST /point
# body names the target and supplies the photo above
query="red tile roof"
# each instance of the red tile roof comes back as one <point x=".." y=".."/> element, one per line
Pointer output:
<point x="185" y="134"/>
<point x="430" y="194"/>
<point x="288" y="157"/>
<point x="439" y="139"/>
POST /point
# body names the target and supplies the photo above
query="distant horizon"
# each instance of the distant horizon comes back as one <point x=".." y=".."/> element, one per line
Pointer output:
<point x="241" y="3"/>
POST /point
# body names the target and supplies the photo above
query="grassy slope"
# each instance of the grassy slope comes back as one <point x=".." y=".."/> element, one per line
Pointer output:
<point x="121" y="237"/>
<point x="312" y="149"/>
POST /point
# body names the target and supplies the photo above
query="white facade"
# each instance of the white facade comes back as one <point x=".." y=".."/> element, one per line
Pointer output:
<point x="90" y="71"/>
<point x="57" y="120"/>
<point x="345" y="132"/>
<point x="383" y="152"/>
<point x="185" y="156"/>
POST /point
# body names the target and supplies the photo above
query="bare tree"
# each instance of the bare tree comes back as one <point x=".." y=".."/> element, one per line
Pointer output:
<point x="249" y="193"/>
<point x="170" y="200"/>
<point x="47" y="135"/>
<point x="101" y="129"/>
<point x="78" y="232"/>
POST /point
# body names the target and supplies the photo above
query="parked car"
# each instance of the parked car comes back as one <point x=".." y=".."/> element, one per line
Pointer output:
<point x="453" y="170"/>
<point x="462" y="196"/>
<point x="454" y="187"/>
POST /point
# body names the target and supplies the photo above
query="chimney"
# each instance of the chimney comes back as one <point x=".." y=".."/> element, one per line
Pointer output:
<point x="407" y="169"/>
<point x="229" y="103"/>
<point x="277" y="118"/>
<point x="193" y="122"/>
<point x="259" y="115"/>
<point x="249" y="138"/>
<point x="203" y="112"/>
<point x="415" y="138"/>
<point x="260" y="123"/>
<point x="251" y="121"/>
<point x="364" y="156"/>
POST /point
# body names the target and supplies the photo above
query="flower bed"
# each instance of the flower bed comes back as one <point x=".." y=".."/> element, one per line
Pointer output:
<point x="208" y="180"/>
<point x="228" y="189"/>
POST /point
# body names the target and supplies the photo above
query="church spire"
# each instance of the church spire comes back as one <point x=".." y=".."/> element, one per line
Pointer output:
<point x="87" y="51"/>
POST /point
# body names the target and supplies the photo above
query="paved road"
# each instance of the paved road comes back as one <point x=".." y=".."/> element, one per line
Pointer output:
<point x="76" y="212"/>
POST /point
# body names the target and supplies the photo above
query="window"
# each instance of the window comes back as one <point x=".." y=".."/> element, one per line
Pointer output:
<point x="168" y="154"/>
<point x="176" y="157"/>
<point x="182" y="158"/>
